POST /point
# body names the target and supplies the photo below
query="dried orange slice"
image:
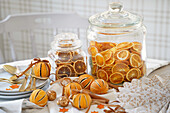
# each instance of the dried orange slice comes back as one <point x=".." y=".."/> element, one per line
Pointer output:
<point x="113" y="44"/>
<point x="94" y="69"/>
<point x="133" y="73"/>
<point x="92" y="50"/>
<point x="116" y="78"/>
<point x="93" y="60"/>
<point x="123" y="55"/>
<point x="110" y="61"/>
<point x="72" y="70"/>
<point x="61" y="76"/>
<point x="124" y="45"/>
<point x="106" y="54"/>
<point x="79" y="67"/>
<point x="108" y="69"/>
<point x="64" y="56"/>
<point x="120" y="67"/>
<point x="100" y="61"/>
<point x="64" y="69"/>
<point x="135" y="60"/>
<point x="134" y="52"/>
<point x="113" y="49"/>
<point x="137" y="47"/>
<point x="98" y="46"/>
<point x="77" y="56"/>
<point x="122" y="61"/>
<point x="102" y="74"/>
<point x="106" y="45"/>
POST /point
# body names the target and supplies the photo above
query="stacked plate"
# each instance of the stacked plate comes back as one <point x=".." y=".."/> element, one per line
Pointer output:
<point x="14" y="93"/>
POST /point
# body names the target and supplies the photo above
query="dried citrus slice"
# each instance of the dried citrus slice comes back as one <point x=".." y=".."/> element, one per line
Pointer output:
<point x="92" y="50"/>
<point x="116" y="78"/>
<point x="100" y="61"/>
<point x="135" y="60"/>
<point x="64" y="69"/>
<point x="77" y="56"/>
<point x="64" y="56"/>
<point x="61" y="76"/>
<point x="134" y="52"/>
<point x="106" y="54"/>
<point x="60" y="64"/>
<point x="132" y="74"/>
<point x="137" y="47"/>
<point x="120" y="67"/>
<point x="106" y="45"/>
<point x="113" y="44"/>
<point x="79" y="67"/>
<point x="93" y="60"/>
<point x="102" y="74"/>
<point x="124" y="45"/>
<point x="122" y="61"/>
<point x="110" y="61"/>
<point x="94" y="69"/>
<point x="113" y="49"/>
<point x="98" y="46"/>
<point x="123" y="55"/>
<point x="72" y="70"/>
<point x="108" y="69"/>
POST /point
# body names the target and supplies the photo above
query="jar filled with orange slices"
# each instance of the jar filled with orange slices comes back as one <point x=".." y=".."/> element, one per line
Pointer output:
<point x="66" y="56"/>
<point x="116" y="45"/>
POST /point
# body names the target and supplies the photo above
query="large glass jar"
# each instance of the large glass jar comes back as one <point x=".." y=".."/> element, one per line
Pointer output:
<point x="66" y="56"/>
<point x="116" y="45"/>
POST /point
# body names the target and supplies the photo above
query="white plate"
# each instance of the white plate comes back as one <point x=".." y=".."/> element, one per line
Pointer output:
<point x="4" y="85"/>
<point x="19" y="93"/>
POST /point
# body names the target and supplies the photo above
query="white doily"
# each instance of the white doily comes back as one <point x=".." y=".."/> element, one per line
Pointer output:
<point x="145" y="95"/>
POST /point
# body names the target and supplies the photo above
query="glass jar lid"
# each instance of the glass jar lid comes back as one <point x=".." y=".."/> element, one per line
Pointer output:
<point x="115" y="17"/>
<point x="66" y="41"/>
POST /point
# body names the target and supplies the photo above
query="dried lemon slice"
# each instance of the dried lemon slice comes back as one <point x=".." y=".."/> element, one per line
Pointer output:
<point x="123" y="55"/>
<point x="92" y="50"/>
<point x="79" y="66"/>
<point x="64" y="56"/>
<point x="64" y="69"/>
<point x="106" y="54"/>
<point x="124" y="45"/>
<point x="116" y="78"/>
<point x="133" y="73"/>
<point x="120" y="67"/>
<point x="100" y="61"/>
<point x="102" y="74"/>
<point x="135" y="60"/>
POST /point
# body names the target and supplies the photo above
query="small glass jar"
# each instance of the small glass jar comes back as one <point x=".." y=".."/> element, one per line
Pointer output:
<point x="116" y="45"/>
<point x="66" y="56"/>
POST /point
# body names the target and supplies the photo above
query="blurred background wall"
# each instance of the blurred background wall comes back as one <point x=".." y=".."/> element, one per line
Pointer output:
<point x="156" y="15"/>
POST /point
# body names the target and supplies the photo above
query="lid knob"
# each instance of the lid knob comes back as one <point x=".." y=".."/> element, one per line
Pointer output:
<point x="115" y="7"/>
